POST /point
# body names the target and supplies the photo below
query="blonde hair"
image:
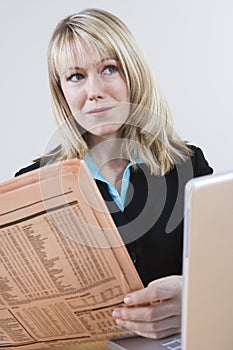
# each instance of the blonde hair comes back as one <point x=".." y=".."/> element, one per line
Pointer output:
<point x="149" y="125"/>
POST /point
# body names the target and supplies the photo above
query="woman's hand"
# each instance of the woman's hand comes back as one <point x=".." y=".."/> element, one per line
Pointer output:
<point x="154" y="311"/>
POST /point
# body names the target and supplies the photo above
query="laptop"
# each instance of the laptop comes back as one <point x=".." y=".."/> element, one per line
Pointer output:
<point x="207" y="304"/>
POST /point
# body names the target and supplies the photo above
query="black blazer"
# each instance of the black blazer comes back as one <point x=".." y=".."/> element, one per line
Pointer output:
<point x="152" y="222"/>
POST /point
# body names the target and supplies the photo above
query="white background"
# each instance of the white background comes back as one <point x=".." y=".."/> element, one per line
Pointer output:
<point x="188" y="43"/>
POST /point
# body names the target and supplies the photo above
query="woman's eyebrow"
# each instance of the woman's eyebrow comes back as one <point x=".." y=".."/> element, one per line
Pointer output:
<point x="105" y="59"/>
<point x="75" y="68"/>
<point x="97" y="64"/>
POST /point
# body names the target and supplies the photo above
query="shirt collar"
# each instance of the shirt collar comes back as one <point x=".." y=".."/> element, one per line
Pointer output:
<point x="96" y="174"/>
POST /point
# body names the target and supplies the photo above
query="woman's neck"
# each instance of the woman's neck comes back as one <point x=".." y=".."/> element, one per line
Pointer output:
<point x="107" y="155"/>
<point x="105" y="150"/>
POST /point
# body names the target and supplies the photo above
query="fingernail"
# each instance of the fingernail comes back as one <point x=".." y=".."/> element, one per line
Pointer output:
<point x="116" y="313"/>
<point x="127" y="300"/>
<point x="120" y="322"/>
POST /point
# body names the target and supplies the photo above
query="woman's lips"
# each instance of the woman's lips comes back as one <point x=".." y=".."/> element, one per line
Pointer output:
<point x="98" y="112"/>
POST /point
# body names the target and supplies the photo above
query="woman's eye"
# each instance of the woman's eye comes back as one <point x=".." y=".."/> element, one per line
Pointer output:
<point x="108" y="70"/>
<point x="76" y="77"/>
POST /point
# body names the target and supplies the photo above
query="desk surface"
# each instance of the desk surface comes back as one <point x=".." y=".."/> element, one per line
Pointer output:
<point x="100" y="345"/>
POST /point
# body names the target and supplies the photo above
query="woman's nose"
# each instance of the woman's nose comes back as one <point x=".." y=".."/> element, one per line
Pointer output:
<point x="94" y="88"/>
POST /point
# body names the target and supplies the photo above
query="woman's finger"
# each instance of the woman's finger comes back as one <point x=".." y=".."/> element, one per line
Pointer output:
<point x="159" y="335"/>
<point x="161" y="289"/>
<point x="152" y="312"/>
<point x="151" y="327"/>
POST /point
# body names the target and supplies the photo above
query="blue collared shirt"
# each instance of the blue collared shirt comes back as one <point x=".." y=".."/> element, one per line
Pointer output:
<point x="119" y="198"/>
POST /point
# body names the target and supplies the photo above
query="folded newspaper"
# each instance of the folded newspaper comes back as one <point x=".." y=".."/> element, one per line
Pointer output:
<point x="63" y="264"/>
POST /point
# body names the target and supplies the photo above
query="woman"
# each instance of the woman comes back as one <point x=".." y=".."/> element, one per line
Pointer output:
<point x="112" y="114"/>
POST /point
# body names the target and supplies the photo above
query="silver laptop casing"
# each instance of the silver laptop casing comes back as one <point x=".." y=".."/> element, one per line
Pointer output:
<point x="207" y="315"/>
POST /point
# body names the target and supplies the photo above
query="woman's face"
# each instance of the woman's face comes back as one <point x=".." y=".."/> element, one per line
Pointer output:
<point x="96" y="92"/>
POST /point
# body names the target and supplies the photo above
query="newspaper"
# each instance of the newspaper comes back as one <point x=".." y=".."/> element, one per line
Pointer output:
<point x="63" y="264"/>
